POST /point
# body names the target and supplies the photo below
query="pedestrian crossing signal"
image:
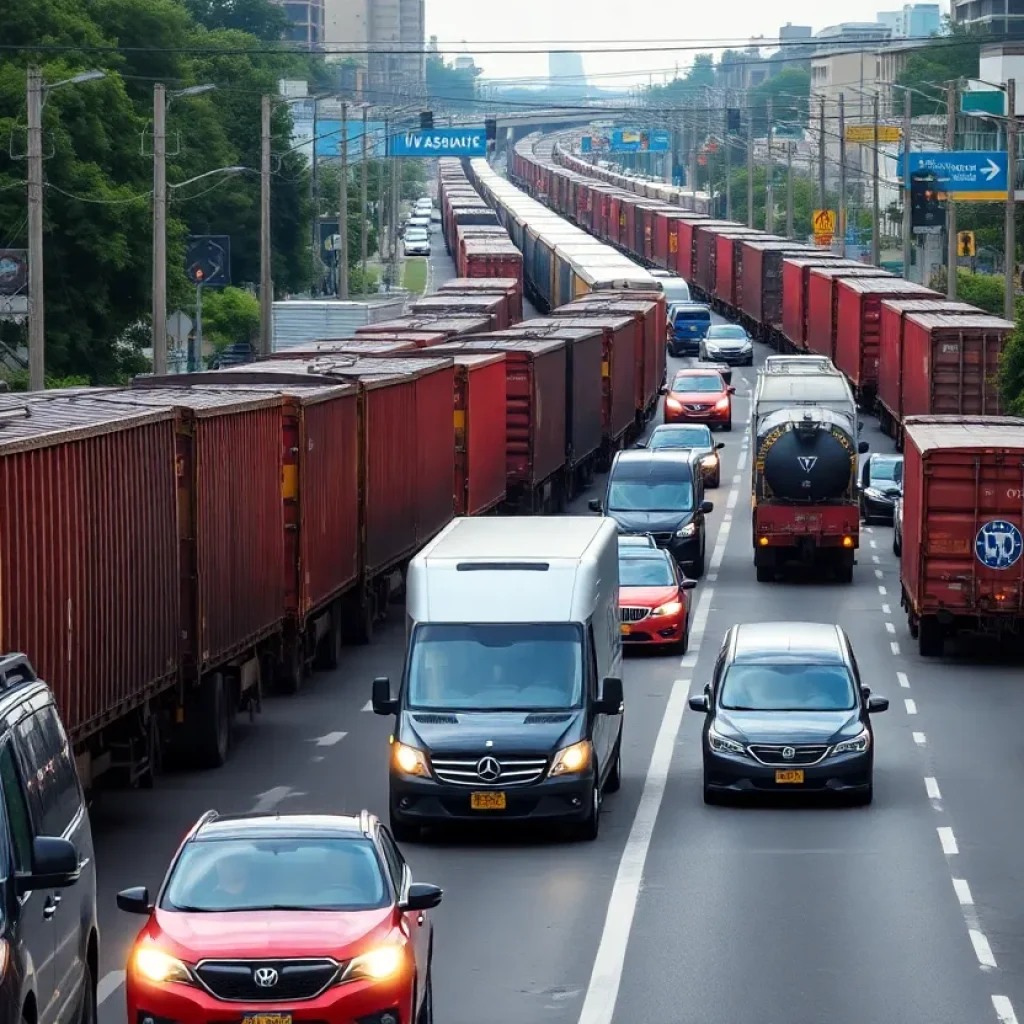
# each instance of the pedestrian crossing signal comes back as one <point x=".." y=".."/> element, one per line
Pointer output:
<point x="965" y="243"/>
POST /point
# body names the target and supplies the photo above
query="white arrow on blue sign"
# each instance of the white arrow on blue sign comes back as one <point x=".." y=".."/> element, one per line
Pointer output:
<point x="958" y="173"/>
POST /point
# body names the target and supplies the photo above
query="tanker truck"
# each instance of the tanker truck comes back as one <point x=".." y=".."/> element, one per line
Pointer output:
<point x="804" y="474"/>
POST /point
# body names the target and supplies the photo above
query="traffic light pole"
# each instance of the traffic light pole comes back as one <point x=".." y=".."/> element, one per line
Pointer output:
<point x="876" y="213"/>
<point x="908" y="226"/>
<point x="1010" y="256"/>
<point x="951" y="249"/>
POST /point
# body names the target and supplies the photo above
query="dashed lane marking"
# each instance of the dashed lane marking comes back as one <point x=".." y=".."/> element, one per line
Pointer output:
<point x="911" y="706"/>
<point x="894" y="647"/>
<point x="901" y="677"/>
<point x="982" y="950"/>
<point x="879" y="573"/>
<point x="931" y="787"/>
<point x="268" y="801"/>
<point x="108" y="985"/>
<point x="890" y="627"/>
<point x="368" y="706"/>
<point x="1004" y="1010"/>
<point x="874" y="544"/>
<point x="886" y="610"/>
<point x="920" y="739"/>
<point x="963" y="892"/>
<point x="948" y="841"/>
<point x="876" y="559"/>
<point x="330" y="739"/>
<point x="881" y="589"/>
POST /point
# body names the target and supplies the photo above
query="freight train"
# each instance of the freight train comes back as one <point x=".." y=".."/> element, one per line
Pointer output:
<point x="795" y="297"/>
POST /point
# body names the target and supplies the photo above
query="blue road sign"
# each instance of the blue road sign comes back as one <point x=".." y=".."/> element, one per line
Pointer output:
<point x="633" y="140"/>
<point x="962" y="173"/>
<point x="440" y="142"/>
<point x="587" y="144"/>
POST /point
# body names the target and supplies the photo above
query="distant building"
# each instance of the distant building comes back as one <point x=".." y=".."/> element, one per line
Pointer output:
<point x="306" y="22"/>
<point x="921" y="21"/>
<point x="1005" y="18"/>
<point x="893" y="21"/>
<point x="565" y="70"/>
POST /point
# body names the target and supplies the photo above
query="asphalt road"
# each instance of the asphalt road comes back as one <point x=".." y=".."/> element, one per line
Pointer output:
<point x="906" y="911"/>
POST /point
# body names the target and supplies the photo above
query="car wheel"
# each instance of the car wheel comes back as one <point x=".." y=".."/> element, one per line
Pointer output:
<point x="426" y="1014"/>
<point x="765" y="574"/>
<point x="716" y="480"/>
<point x="87" y="1011"/>
<point x="614" y="781"/>
<point x="699" y="565"/>
<point x="588" y="829"/>
<point x="710" y="795"/>
<point x="897" y="544"/>
<point x="727" y="427"/>
<point x="931" y="643"/>
<point x="683" y="643"/>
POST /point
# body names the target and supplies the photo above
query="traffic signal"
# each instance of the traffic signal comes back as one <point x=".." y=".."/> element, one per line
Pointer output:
<point x="427" y="121"/>
<point x="732" y="122"/>
<point x="927" y="214"/>
<point x="491" y="126"/>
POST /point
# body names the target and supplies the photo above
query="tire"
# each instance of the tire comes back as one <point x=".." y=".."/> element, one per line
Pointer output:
<point x="765" y="574"/>
<point x="403" y="831"/>
<point x="717" y="480"/>
<point x="210" y="734"/>
<point x="897" y="544"/>
<point x="330" y="654"/>
<point x="87" y="1012"/>
<point x="291" y="671"/>
<point x="587" y="831"/>
<point x="614" y="781"/>
<point x="727" y="427"/>
<point x="930" y="641"/>
<point x="711" y="798"/>
<point x="426" y="1014"/>
<point x="844" y="573"/>
<point x="683" y="644"/>
<point x="699" y="565"/>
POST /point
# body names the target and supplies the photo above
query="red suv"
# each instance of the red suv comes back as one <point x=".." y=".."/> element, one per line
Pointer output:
<point x="283" y="920"/>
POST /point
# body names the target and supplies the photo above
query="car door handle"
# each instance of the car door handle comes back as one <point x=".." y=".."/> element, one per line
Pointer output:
<point x="420" y="919"/>
<point x="50" y="909"/>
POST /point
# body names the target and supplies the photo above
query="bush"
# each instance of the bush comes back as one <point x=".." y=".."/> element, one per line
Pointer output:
<point x="985" y="291"/>
<point x="358" y="286"/>
<point x="17" y="380"/>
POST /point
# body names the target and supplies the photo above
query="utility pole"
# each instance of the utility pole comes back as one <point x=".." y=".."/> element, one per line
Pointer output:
<point x="381" y="166"/>
<point x="842" y="175"/>
<point x="343" y="209"/>
<point x="266" y="279"/>
<point x="364" y="225"/>
<point x="396" y="207"/>
<point x="159" y="229"/>
<point x="908" y="251"/>
<point x="750" y="162"/>
<point x="36" y="305"/>
<point x="769" y="192"/>
<point x="1010" y="258"/>
<point x="876" y="212"/>
<point x="951" y="252"/>
<point x="727" y="144"/>
<point x="821" y="158"/>
<point x="789" y="189"/>
<point x="314" y="196"/>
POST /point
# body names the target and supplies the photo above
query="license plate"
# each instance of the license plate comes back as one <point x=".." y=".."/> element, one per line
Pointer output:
<point x="267" y="1018"/>
<point x="789" y="776"/>
<point x="487" y="801"/>
<point x="626" y="628"/>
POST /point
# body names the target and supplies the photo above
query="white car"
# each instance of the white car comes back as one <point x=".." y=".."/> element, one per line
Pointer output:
<point x="417" y="243"/>
<point x="416" y="221"/>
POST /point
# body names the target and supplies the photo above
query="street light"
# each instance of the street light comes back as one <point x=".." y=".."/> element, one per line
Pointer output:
<point x="36" y="98"/>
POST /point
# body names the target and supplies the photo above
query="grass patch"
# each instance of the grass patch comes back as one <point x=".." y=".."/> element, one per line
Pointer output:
<point x="414" y="275"/>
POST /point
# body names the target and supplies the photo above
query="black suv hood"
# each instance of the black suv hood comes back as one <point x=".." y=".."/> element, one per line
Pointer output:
<point x="649" y="522"/>
<point x="509" y="732"/>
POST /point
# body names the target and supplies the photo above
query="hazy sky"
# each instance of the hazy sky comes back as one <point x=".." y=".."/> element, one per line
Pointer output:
<point x="641" y="24"/>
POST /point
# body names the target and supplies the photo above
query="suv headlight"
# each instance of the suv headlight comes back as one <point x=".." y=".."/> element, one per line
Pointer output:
<point x="376" y="965"/>
<point x="722" y="744"/>
<point x="857" y="745"/>
<point x="873" y="492"/>
<point x="686" y="531"/>
<point x="157" y="966"/>
<point x="571" y="760"/>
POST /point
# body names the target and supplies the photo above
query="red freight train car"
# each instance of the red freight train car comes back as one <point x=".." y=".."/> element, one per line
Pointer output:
<point x="858" y="327"/>
<point x="485" y="258"/>
<point x="961" y="567"/>
<point x="759" y="284"/>
<point x="821" y="304"/>
<point x="368" y="345"/>
<point x="890" y="357"/>
<point x="511" y="287"/>
<point x="687" y="231"/>
<point x="449" y="326"/>
<point x="493" y="306"/>
<point x="795" y="288"/>
<point x="728" y="247"/>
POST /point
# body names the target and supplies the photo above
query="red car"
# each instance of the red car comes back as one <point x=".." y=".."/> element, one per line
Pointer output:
<point x="283" y="920"/>
<point x="700" y="396"/>
<point x="654" y="599"/>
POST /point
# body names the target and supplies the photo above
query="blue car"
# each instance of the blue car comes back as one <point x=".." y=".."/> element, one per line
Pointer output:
<point x="688" y="325"/>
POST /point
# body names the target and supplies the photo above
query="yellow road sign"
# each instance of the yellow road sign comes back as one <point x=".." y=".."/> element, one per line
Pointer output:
<point x="824" y="222"/>
<point x="825" y="241"/>
<point x="965" y="244"/>
<point x="866" y="133"/>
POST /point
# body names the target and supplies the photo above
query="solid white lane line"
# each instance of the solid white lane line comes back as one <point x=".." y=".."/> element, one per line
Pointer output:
<point x="894" y="647"/>
<point x="886" y="610"/>
<point x="108" y="985"/>
<point x="911" y="706"/>
<point x="890" y="627"/>
<point x="903" y="680"/>
<point x="603" y="990"/>
<point x="982" y="950"/>
<point x="932" y="788"/>
<point x="948" y="840"/>
<point x="368" y="706"/>
<point x="330" y="739"/>
<point x="700" y="620"/>
<point x="963" y="892"/>
<point x="1004" y="1010"/>
<point x="882" y="591"/>
<point x="920" y="739"/>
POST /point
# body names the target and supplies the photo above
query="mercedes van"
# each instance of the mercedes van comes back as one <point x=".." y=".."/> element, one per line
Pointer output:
<point x="510" y="703"/>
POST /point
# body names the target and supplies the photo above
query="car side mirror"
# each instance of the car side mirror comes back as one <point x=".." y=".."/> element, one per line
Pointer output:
<point x="421" y="896"/>
<point x="663" y="391"/>
<point x="688" y="585"/>
<point x="612" y="697"/>
<point x="700" y="703"/>
<point x="594" y="504"/>
<point x="54" y="865"/>
<point x="640" y="444"/>
<point x="135" y="900"/>
<point x="877" y="704"/>
<point x="382" y="702"/>
<point x="707" y="507"/>
<point x="863" y="448"/>
<point x="731" y="389"/>
<point x="719" y="446"/>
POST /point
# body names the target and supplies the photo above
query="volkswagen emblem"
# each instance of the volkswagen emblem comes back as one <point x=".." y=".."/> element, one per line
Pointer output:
<point x="788" y="753"/>
<point x="265" y="977"/>
<point x="488" y="769"/>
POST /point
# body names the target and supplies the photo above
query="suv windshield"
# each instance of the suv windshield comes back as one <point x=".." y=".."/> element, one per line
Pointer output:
<point x="222" y="875"/>
<point x="645" y="572"/>
<point x="711" y="383"/>
<point x="788" y="687"/>
<point x="691" y="314"/>
<point x="681" y="437"/>
<point x="650" y="496"/>
<point x="499" y="667"/>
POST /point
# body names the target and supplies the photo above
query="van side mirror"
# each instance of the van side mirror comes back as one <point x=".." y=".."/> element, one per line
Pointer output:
<point x="688" y="585"/>
<point x="612" y="697"/>
<point x="594" y="504"/>
<point x="135" y="900"/>
<point x="863" y="448"/>
<point x="54" y="865"/>
<point x="719" y="446"/>
<point x="382" y="702"/>
<point x="707" y="507"/>
<point x="700" y="703"/>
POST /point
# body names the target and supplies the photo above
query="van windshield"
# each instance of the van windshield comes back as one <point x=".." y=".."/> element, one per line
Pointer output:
<point x="496" y="667"/>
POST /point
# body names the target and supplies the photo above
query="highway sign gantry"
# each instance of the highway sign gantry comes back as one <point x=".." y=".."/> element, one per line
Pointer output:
<point x="964" y="176"/>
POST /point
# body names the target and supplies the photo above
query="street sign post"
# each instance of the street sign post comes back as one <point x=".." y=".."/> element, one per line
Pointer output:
<point x="966" y="176"/>
<point x="439" y="142"/>
<point x="824" y="222"/>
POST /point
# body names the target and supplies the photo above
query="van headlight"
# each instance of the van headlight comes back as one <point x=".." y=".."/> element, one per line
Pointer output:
<point x="409" y="761"/>
<point x="571" y="760"/>
<point x="858" y="745"/>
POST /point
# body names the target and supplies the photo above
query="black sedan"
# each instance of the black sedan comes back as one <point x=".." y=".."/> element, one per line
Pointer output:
<point x="786" y="712"/>
<point x="881" y="483"/>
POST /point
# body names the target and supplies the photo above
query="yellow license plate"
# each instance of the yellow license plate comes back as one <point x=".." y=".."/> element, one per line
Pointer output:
<point x="487" y="801"/>
<point x="626" y="628"/>
<point x="267" y="1018"/>
<point x="789" y="776"/>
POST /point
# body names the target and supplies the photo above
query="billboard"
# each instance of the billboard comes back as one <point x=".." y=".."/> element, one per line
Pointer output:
<point x="328" y="138"/>
<point x="440" y="142"/>
<point x="640" y="140"/>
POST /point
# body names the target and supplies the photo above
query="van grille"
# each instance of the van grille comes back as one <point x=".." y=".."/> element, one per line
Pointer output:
<point x="633" y="614"/>
<point x="512" y="771"/>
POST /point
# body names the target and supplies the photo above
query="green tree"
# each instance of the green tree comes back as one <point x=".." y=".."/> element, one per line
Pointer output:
<point x="257" y="17"/>
<point x="699" y="77"/>
<point x="230" y="315"/>
<point x="952" y="56"/>
<point x="789" y="92"/>
<point x="450" y="86"/>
